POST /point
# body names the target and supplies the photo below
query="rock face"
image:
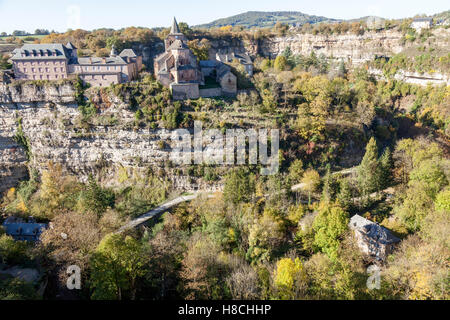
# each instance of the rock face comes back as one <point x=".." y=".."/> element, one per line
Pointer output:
<point x="54" y="133"/>
<point x="355" y="48"/>
<point x="26" y="93"/>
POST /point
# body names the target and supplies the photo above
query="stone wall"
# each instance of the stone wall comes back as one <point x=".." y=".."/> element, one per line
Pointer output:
<point x="211" y="92"/>
<point x="182" y="91"/>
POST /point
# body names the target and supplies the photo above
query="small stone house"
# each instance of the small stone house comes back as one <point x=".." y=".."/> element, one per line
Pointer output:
<point x="374" y="240"/>
<point x="422" y="23"/>
<point x="242" y="57"/>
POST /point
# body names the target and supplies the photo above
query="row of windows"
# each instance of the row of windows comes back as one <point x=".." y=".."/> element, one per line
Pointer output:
<point x="42" y="63"/>
<point x="48" y="77"/>
<point x="47" y="70"/>
<point x="99" y="68"/>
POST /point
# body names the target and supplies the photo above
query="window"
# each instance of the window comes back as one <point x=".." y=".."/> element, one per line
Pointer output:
<point x="62" y="69"/>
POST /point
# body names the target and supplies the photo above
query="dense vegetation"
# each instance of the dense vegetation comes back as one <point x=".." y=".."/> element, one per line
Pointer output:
<point x="258" y="239"/>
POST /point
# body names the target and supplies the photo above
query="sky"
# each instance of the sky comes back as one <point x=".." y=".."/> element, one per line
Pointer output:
<point x="60" y="15"/>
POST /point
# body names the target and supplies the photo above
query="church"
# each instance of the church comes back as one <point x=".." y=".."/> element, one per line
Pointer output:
<point x="178" y="69"/>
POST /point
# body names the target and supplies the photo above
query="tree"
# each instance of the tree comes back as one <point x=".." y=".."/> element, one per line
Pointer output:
<point x="386" y="166"/>
<point x="203" y="271"/>
<point x="4" y="64"/>
<point x="344" y="197"/>
<point x="115" y="266"/>
<point x="239" y="186"/>
<point x="369" y="179"/>
<point x="265" y="235"/>
<point x="200" y="48"/>
<point x="329" y="226"/>
<point x="296" y="171"/>
<point x="442" y="202"/>
<point x="330" y="187"/>
<point x="280" y="63"/>
<point x="243" y="283"/>
<point x="290" y="279"/>
<point x="96" y="199"/>
<point x="311" y="180"/>
<point x="185" y="29"/>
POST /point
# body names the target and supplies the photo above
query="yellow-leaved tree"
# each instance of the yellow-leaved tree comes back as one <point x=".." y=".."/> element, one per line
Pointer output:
<point x="289" y="279"/>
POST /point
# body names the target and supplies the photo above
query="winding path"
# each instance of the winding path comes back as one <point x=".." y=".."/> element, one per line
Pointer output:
<point x="193" y="195"/>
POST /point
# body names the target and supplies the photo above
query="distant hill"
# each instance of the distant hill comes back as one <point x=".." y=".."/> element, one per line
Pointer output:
<point x="266" y="19"/>
<point x="443" y="15"/>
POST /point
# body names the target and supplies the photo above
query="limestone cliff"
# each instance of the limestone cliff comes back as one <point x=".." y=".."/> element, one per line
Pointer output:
<point x="51" y="122"/>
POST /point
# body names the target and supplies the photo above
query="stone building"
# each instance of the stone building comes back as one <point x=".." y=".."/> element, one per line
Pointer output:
<point x="374" y="240"/>
<point x="243" y="58"/>
<point x="179" y="69"/>
<point x="58" y="61"/>
<point x="422" y="23"/>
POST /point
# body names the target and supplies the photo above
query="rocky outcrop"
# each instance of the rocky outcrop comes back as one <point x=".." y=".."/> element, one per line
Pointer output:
<point x="422" y="79"/>
<point x="26" y="93"/>
<point x="356" y="48"/>
<point x="111" y="151"/>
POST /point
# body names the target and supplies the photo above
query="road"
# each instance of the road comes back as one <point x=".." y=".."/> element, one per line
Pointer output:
<point x="192" y="195"/>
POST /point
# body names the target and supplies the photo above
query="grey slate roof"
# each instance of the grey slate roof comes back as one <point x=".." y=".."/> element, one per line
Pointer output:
<point x="99" y="61"/>
<point x="30" y="51"/>
<point x="208" y="64"/>
<point x="178" y="44"/>
<point x="70" y="45"/>
<point x="175" y="29"/>
<point x="21" y="230"/>
<point x="128" y="53"/>
<point x="372" y="230"/>
<point x="423" y="20"/>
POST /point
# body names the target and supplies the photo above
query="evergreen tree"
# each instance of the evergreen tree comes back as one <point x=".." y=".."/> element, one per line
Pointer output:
<point x="386" y="169"/>
<point x="368" y="171"/>
<point x="344" y="197"/>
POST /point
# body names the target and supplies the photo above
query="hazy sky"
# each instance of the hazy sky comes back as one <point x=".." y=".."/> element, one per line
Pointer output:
<point x="29" y="15"/>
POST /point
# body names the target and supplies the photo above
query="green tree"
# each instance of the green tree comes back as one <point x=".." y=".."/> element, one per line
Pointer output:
<point x="239" y="186"/>
<point x="115" y="266"/>
<point x="281" y="63"/>
<point x="369" y="179"/>
<point x="296" y="171"/>
<point x="386" y="166"/>
<point x="311" y="181"/>
<point x="97" y="199"/>
<point x="329" y="227"/>
<point x="344" y="197"/>
<point x="4" y="62"/>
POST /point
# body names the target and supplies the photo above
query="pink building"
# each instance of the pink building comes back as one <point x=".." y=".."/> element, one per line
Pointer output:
<point x="57" y="61"/>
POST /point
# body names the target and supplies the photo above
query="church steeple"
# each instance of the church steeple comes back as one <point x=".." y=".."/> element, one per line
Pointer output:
<point x="175" y="29"/>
